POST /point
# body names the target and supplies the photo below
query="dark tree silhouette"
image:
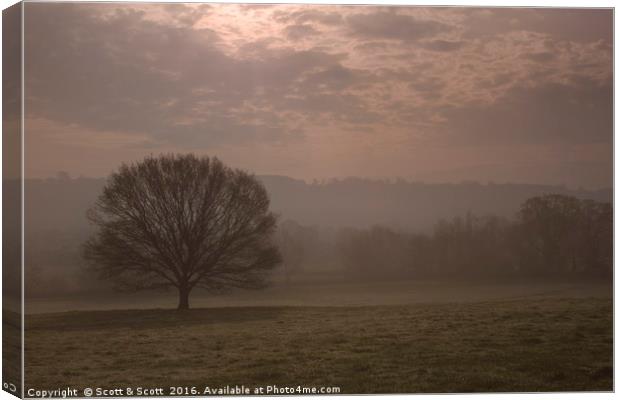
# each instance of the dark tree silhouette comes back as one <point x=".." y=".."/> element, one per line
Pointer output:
<point x="292" y="240"/>
<point x="550" y="225"/>
<point x="565" y="234"/>
<point x="182" y="221"/>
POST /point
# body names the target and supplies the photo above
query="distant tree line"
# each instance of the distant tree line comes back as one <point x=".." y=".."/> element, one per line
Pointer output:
<point x="552" y="235"/>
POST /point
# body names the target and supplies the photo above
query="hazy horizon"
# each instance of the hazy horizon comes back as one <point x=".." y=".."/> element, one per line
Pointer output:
<point x="389" y="179"/>
<point x="519" y="95"/>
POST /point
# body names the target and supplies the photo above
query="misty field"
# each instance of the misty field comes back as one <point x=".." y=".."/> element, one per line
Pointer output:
<point x="545" y="343"/>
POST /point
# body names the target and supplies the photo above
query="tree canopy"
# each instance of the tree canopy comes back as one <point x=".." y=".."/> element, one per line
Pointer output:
<point x="182" y="221"/>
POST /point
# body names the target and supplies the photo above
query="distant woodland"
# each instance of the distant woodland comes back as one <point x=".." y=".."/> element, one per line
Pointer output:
<point x="358" y="229"/>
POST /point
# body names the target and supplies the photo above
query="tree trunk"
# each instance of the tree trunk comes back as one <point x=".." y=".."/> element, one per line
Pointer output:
<point x="183" y="299"/>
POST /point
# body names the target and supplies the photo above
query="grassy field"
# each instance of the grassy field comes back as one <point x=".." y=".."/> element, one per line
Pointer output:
<point x="330" y="292"/>
<point x="526" y="344"/>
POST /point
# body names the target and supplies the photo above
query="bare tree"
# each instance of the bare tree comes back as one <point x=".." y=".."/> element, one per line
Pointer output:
<point x="290" y="242"/>
<point x="182" y="221"/>
<point x="565" y="234"/>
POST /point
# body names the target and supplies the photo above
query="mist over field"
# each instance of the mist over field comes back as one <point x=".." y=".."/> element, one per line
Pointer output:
<point x="61" y="203"/>
<point x="320" y="215"/>
<point x="394" y="286"/>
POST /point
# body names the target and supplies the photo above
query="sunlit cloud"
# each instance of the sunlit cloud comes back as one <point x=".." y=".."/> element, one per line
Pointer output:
<point x="387" y="84"/>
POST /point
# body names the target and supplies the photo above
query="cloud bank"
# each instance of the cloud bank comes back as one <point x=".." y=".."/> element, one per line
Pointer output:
<point x="322" y="91"/>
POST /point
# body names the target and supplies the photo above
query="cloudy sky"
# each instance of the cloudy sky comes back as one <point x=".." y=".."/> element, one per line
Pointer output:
<point x="433" y="94"/>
